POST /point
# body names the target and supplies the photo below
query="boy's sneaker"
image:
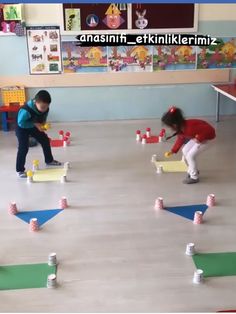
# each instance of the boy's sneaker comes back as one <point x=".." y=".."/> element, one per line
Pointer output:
<point x="54" y="163"/>
<point x="21" y="174"/>
<point x="190" y="180"/>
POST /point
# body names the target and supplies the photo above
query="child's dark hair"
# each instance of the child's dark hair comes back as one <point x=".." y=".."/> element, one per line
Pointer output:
<point x="43" y="96"/>
<point x="174" y="116"/>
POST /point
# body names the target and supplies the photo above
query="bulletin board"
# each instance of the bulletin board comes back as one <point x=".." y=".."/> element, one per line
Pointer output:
<point x="44" y="49"/>
<point x="131" y="18"/>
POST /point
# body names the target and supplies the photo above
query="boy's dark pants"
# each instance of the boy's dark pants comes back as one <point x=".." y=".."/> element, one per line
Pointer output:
<point x="23" y="146"/>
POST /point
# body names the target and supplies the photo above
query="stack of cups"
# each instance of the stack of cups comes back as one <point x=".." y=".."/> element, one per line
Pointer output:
<point x="154" y="158"/>
<point x="198" y="218"/>
<point x="63" y="203"/>
<point x="64" y="141"/>
<point x="66" y="165"/>
<point x="159" y="203"/>
<point x="33" y="225"/>
<point x="52" y="281"/>
<point x="144" y="139"/>
<point x="29" y="176"/>
<point x="159" y="169"/>
<point x="162" y="133"/>
<point x="190" y="249"/>
<point x="35" y="165"/>
<point x="61" y="134"/>
<point x="211" y="200"/>
<point x="148" y="132"/>
<point x="198" y="276"/>
<point x="63" y="179"/>
<point x="12" y="209"/>
<point x="52" y="259"/>
<point x="138" y="135"/>
<point x="68" y="134"/>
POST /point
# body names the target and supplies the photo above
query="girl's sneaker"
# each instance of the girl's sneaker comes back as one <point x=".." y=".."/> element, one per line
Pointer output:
<point x="54" y="163"/>
<point x="22" y="174"/>
<point x="190" y="181"/>
<point x="188" y="175"/>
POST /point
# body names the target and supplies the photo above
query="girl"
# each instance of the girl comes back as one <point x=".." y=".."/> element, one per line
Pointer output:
<point x="194" y="134"/>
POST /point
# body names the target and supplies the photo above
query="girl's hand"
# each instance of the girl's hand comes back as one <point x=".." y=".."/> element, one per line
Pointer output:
<point x="196" y="139"/>
<point x="168" y="154"/>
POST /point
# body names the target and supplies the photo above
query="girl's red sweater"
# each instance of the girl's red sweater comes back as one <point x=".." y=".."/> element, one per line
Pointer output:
<point x="194" y="129"/>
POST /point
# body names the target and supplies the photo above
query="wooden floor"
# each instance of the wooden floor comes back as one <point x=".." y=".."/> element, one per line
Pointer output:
<point x="116" y="253"/>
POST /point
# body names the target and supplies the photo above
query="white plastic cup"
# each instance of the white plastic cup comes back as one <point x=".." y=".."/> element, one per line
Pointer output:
<point x="29" y="179"/>
<point x="52" y="281"/>
<point x="190" y="249"/>
<point x="63" y="179"/>
<point x="154" y="158"/>
<point x="198" y="276"/>
<point x="159" y="169"/>
<point x="52" y="259"/>
<point x="66" y="165"/>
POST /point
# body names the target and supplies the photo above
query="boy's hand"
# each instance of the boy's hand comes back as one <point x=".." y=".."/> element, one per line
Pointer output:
<point x="46" y="126"/>
<point x="168" y="154"/>
<point x="39" y="127"/>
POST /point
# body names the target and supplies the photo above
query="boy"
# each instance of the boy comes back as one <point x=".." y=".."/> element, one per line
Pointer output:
<point x="30" y="119"/>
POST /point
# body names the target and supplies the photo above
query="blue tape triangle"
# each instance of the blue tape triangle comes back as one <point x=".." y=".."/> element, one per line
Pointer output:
<point x="187" y="211"/>
<point x="42" y="215"/>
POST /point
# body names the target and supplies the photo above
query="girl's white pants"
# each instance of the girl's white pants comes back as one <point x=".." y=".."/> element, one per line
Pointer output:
<point x="190" y="151"/>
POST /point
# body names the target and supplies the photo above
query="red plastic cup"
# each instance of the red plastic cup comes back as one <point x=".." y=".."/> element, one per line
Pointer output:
<point x="159" y="204"/>
<point x="198" y="218"/>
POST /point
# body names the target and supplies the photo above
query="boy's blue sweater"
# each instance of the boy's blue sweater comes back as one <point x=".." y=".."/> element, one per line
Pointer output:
<point x="24" y="119"/>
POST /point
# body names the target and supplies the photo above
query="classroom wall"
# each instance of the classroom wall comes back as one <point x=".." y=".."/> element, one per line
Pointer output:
<point x="122" y="102"/>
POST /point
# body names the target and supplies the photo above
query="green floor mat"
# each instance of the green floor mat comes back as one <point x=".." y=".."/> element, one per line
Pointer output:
<point x="25" y="276"/>
<point x="216" y="264"/>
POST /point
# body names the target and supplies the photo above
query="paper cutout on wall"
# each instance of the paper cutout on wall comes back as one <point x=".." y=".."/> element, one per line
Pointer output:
<point x="72" y="21"/>
<point x="222" y="55"/>
<point x="12" y="12"/>
<point x="113" y="19"/>
<point x="174" y="58"/>
<point x="92" y="20"/>
<point x="141" y="22"/>
<point x="83" y="59"/>
<point x="130" y="59"/>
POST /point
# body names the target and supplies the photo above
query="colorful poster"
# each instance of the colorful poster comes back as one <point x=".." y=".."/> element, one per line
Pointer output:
<point x="44" y="49"/>
<point x="222" y="55"/>
<point x="83" y="59"/>
<point x="72" y="21"/>
<point x="174" y="58"/>
<point x="130" y="59"/>
<point x="12" y="12"/>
